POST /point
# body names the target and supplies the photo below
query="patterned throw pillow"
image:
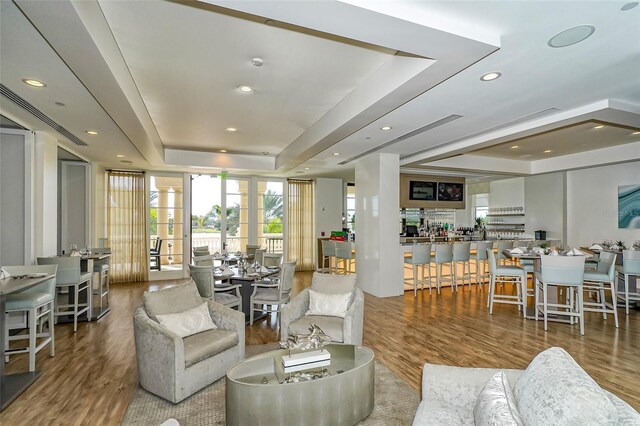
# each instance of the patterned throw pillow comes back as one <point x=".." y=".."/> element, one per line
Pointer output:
<point x="329" y="305"/>
<point x="189" y="322"/>
<point x="496" y="405"/>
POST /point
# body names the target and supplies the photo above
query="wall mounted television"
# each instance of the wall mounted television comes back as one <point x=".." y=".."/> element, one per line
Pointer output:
<point x="428" y="191"/>
<point x="421" y="190"/>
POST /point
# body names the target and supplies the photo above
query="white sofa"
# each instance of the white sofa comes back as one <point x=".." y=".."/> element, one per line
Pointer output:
<point x="553" y="390"/>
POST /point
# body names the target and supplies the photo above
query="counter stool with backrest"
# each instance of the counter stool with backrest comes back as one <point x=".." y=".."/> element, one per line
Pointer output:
<point x="596" y="280"/>
<point x="502" y="246"/>
<point x="37" y="301"/>
<point x="506" y="274"/>
<point x="102" y="269"/>
<point x="480" y="259"/>
<point x="462" y="254"/>
<point x="70" y="277"/>
<point x="444" y="256"/>
<point x="222" y="293"/>
<point x="630" y="267"/>
<point x="565" y="271"/>
<point x="419" y="260"/>
<point x="344" y="253"/>
<point x="328" y="254"/>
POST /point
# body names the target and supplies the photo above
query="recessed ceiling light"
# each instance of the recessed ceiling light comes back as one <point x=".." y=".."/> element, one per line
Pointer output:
<point x="245" y="89"/>
<point x="386" y="128"/>
<point x="231" y="129"/>
<point x="490" y="76"/>
<point x="335" y="154"/>
<point x="629" y="6"/>
<point x="223" y="150"/>
<point x="59" y="103"/>
<point x="547" y="151"/>
<point x="600" y="126"/>
<point x="515" y="147"/>
<point x="635" y="133"/>
<point x="306" y="168"/>
<point x="571" y="36"/>
<point x="33" y="82"/>
<point x="265" y="153"/>
<point x="91" y="132"/>
<point x="119" y="155"/>
<point x="257" y="62"/>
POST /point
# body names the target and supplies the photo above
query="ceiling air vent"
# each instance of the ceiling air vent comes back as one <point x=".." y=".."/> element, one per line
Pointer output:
<point x="22" y="103"/>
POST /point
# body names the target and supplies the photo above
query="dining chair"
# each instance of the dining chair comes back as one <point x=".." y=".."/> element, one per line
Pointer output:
<point x="273" y="293"/>
<point x="506" y="274"/>
<point x="208" y="289"/>
<point x="204" y="260"/>
<point x="272" y="260"/>
<point x="596" y="280"/>
<point x="328" y="254"/>
<point x="419" y="260"/>
<point x="444" y="256"/>
<point x="154" y="253"/>
<point x="630" y="267"/>
<point x="69" y="277"/>
<point x="250" y="251"/>
<point x="38" y="303"/>
<point x="462" y="254"/>
<point x="561" y="271"/>
<point x="258" y="255"/>
<point x="344" y="253"/>
<point x="200" y="250"/>
<point x="480" y="259"/>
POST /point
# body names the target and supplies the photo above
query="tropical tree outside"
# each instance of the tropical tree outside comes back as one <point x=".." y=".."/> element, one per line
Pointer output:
<point x="272" y="208"/>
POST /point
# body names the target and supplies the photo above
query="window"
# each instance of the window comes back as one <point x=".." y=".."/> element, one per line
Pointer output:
<point x="480" y="205"/>
<point x="271" y="215"/>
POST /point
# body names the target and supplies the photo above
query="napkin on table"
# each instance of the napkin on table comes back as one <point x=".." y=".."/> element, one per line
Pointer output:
<point x="263" y="270"/>
<point x="4" y="274"/>
<point x="516" y="250"/>
<point x="596" y="247"/>
<point x="575" y="252"/>
<point x="75" y="253"/>
<point x="227" y="271"/>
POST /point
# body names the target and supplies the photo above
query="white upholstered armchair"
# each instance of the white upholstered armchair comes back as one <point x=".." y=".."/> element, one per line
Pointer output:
<point x="345" y="330"/>
<point x="175" y="367"/>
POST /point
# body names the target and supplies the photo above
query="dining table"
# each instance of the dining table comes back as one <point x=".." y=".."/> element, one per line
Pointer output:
<point x="246" y="277"/>
<point x="12" y="385"/>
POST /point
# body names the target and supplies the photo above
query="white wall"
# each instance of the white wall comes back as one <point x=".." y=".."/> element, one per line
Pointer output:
<point x="378" y="254"/>
<point x="544" y="201"/>
<point x="45" y="185"/>
<point x="328" y="205"/>
<point x="99" y="203"/>
<point x="506" y="193"/>
<point x="592" y="203"/>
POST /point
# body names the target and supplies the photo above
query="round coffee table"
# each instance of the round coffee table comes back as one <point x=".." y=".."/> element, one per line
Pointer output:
<point x="257" y="394"/>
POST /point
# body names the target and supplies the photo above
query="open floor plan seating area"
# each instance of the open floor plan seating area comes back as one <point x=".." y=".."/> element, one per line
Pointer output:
<point x="281" y="212"/>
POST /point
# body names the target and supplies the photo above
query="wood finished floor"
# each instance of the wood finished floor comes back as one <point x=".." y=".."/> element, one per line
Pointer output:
<point x="93" y="375"/>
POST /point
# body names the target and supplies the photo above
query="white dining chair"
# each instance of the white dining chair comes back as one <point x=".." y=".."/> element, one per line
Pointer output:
<point x="328" y="255"/>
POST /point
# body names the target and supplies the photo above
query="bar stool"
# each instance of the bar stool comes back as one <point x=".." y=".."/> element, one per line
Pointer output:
<point x="420" y="257"/>
<point x="462" y="254"/>
<point x="595" y="280"/>
<point x="102" y="269"/>
<point x="344" y="253"/>
<point x="566" y="271"/>
<point x="630" y="267"/>
<point x="70" y="277"/>
<point x="444" y="256"/>
<point x="480" y="259"/>
<point x="502" y="246"/>
<point x="510" y="274"/>
<point x="38" y="302"/>
<point x="328" y="254"/>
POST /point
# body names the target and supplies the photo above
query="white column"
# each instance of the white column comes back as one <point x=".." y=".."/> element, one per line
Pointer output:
<point x="45" y="184"/>
<point x="378" y="254"/>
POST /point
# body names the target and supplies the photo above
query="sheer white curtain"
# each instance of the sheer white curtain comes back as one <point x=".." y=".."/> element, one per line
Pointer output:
<point x="127" y="226"/>
<point x="301" y="235"/>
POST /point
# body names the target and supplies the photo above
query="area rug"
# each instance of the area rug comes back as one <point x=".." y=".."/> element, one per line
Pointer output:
<point x="395" y="402"/>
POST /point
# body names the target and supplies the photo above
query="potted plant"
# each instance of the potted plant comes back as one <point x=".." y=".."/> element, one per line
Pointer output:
<point x="479" y="222"/>
<point x="620" y="245"/>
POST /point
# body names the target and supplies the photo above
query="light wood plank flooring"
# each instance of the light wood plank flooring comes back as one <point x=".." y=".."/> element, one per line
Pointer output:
<point x="93" y="375"/>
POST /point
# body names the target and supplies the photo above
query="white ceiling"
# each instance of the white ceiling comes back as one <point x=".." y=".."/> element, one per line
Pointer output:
<point x="158" y="81"/>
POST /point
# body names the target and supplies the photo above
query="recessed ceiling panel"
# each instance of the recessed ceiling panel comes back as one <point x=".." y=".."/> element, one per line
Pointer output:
<point x="188" y="63"/>
<point x="573" y="139"/>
